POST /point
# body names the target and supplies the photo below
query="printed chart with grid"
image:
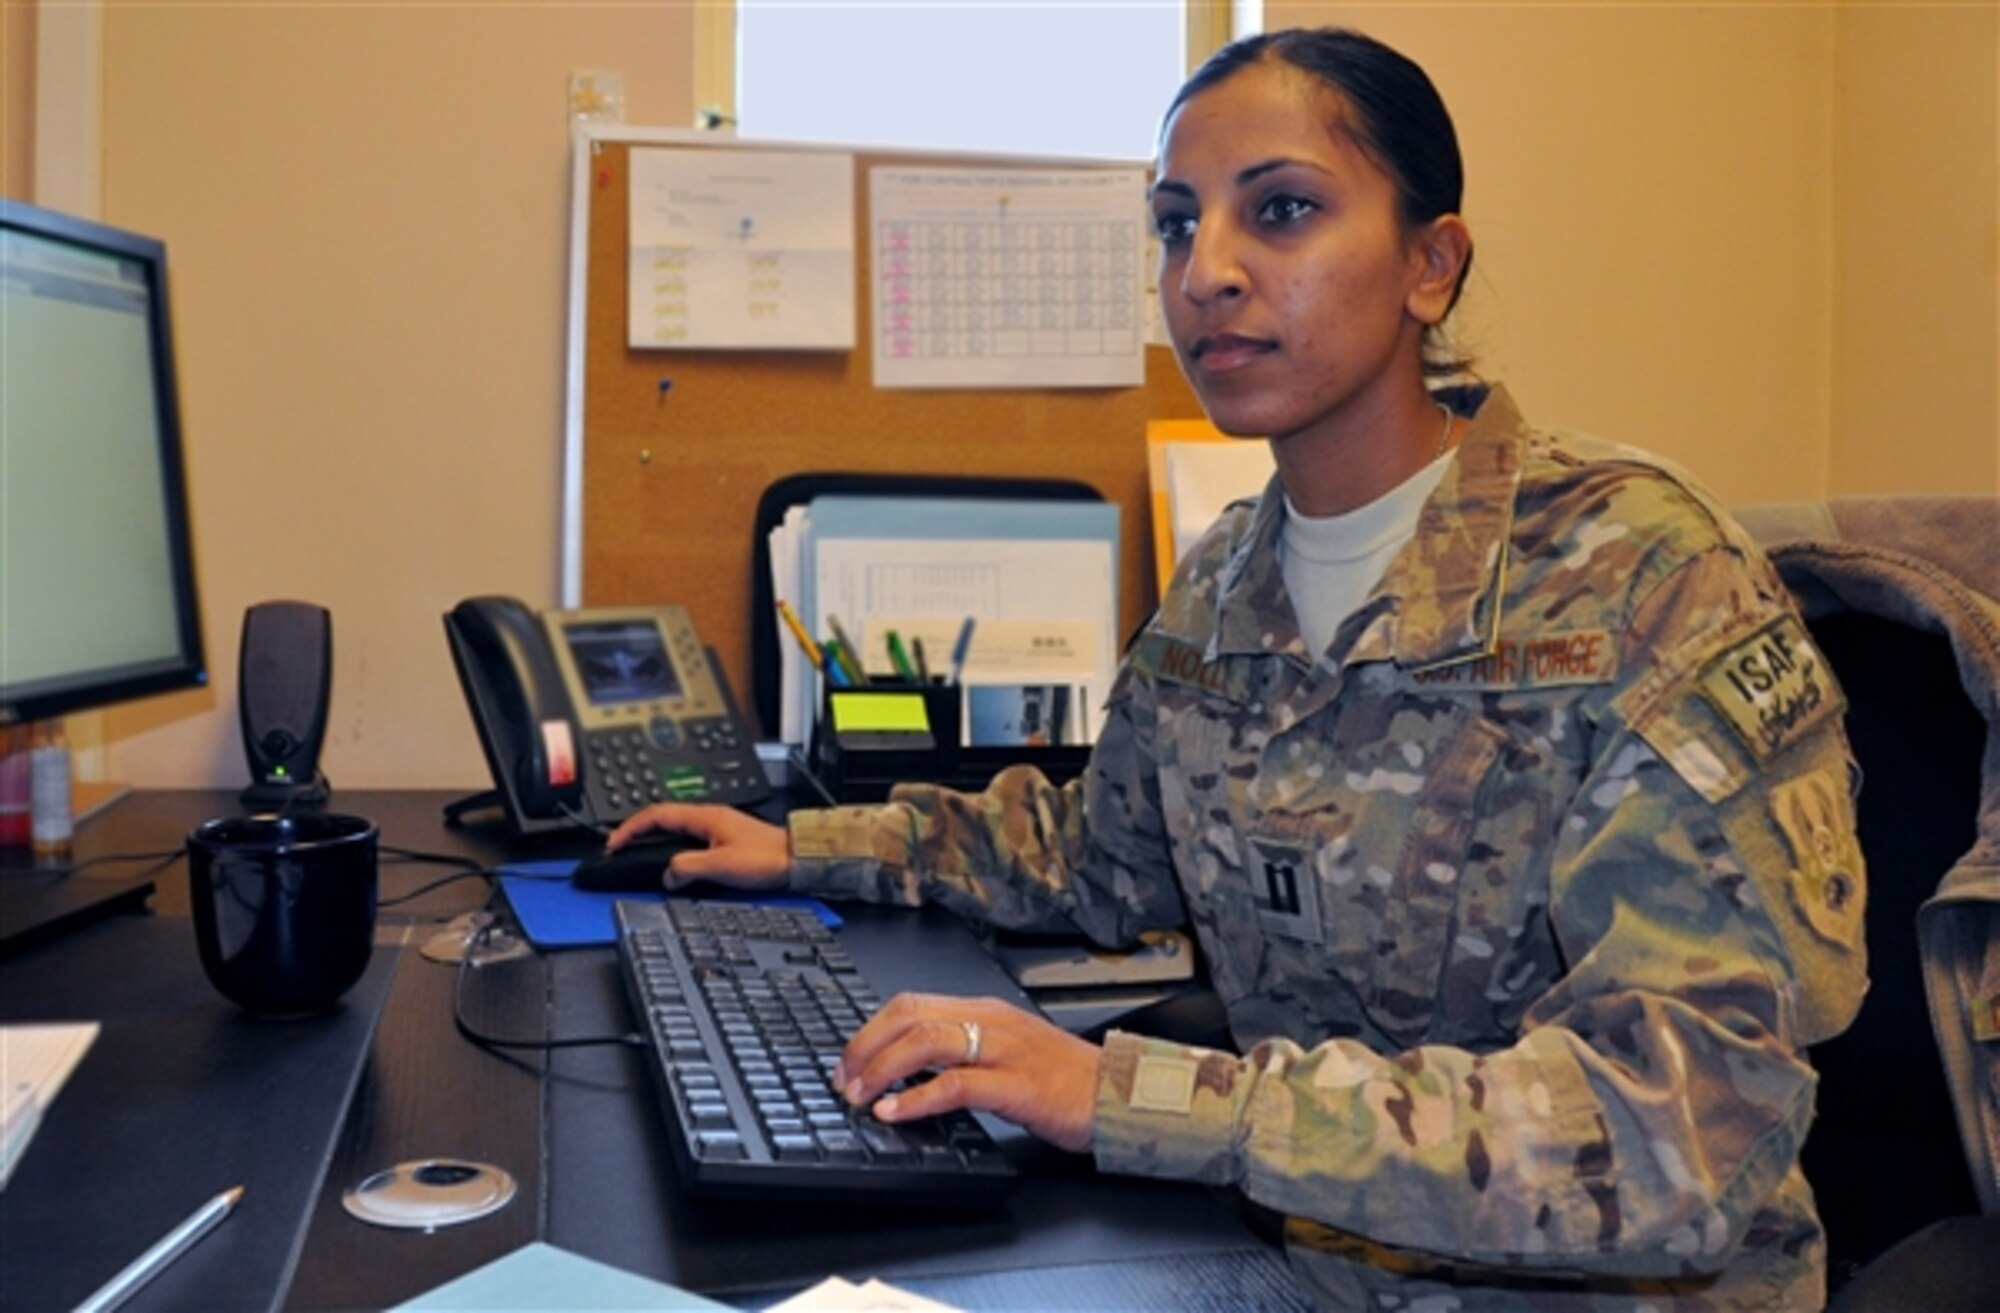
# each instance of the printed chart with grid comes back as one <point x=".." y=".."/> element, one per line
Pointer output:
<point x="1024" y="287"/>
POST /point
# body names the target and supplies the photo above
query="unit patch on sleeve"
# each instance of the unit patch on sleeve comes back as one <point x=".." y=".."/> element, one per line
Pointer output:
<point x="1816" y="816"/>
<point x="1772" y="687"/>
<point x="1986" y="1019"/>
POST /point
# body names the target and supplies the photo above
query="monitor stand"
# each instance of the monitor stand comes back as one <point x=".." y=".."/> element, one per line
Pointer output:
<point x="38" y="903"/>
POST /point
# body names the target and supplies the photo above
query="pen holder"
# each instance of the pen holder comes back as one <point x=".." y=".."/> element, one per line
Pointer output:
<point x="868" y="739"/>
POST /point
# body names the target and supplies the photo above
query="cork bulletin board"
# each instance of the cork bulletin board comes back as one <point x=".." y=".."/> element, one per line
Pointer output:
<point x="667" y="451"/>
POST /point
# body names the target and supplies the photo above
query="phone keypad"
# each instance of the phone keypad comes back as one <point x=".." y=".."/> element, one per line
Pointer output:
<point x="697" y="760"/>
<point x="621" y="771"/>
<point x="714" y="735"/>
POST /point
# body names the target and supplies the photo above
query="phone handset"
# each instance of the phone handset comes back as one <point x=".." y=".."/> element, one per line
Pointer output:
<point x="587" y="716"/>
<point x="527" y="724"/>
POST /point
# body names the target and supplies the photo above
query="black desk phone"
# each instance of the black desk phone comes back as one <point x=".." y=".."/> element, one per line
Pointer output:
<point x="588" y="716"/>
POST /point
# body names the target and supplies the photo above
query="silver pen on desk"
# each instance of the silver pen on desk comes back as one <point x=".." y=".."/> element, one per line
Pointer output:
<point x="155" y="1260"/>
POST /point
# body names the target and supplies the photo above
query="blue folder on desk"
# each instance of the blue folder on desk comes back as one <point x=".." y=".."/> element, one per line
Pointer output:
<point x="556" y="914"/>
<point x="542" y="1277"/>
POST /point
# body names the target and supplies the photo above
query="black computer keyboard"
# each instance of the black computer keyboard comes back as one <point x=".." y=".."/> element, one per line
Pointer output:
<point x="747" y="1009"/>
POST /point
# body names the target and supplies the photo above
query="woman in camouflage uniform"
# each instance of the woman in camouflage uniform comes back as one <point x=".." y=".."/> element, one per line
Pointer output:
<point x="1491" y="768"/>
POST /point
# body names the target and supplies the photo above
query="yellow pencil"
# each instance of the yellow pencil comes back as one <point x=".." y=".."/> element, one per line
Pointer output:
<point x="806" y="644"/>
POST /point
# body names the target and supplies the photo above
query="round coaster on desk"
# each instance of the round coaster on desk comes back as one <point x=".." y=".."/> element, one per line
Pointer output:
<point x="430" y="1193"/>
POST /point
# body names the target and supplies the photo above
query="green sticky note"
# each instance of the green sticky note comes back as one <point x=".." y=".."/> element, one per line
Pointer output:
<point x="861" y="712"/>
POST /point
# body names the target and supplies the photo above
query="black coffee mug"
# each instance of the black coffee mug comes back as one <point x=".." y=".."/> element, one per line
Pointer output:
<point x="284" y="908"/>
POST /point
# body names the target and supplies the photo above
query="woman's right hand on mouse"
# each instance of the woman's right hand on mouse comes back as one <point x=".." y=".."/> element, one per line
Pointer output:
<point x="742" y="851"/>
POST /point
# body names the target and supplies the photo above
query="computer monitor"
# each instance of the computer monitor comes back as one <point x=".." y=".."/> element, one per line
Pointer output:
<point x="97" y="588"/>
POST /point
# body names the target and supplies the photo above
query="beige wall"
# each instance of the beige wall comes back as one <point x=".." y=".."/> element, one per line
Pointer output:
<point x="17" y="99"/>
<point x="1915" y="278"/>
<point x="1649" y="196"/>
<point x="367" y="209"/>
<point x="1758" y="239"/>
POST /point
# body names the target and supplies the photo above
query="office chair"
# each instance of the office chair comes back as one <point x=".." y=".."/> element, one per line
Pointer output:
<point x="798" y="489"/>
<point x="1884" y="1156"/>
<point x="1914" y="645"/>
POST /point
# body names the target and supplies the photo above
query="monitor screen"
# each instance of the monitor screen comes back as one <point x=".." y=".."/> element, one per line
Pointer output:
<point x="97" y="592"/>
<point x="620" y="663"/>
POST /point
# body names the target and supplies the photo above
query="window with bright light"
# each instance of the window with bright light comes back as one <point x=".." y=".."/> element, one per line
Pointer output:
<point x="1025" y="77"/>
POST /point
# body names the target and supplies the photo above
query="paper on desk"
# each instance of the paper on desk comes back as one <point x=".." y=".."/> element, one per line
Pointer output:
<point x="1001" y="582"/>
<point x="1052" y="564"/>
<point x="1162" y="436"/>
<point x="798" y="686"/>
<point x="1013" y="667"/>
<point x="1204" y="477"/>
<point x="839" y="1295"/>
<point x="541" y="1276"/>
<point x="35" y="1061"/>
<point x="741" y="249"/>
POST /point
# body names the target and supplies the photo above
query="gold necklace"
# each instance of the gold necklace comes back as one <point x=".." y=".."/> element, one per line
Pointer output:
<point x="1444" y="438"/>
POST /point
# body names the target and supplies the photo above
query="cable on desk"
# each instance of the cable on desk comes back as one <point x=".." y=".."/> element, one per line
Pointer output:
<point x="468" y="869"/>
<point x="469" y="866"/>
<point x="797" y="757"/>
<point x="494" y="1043"/>
<point x="161" y="860"/>
<point x="436" y="884"/>
<point x="582" y="822"/>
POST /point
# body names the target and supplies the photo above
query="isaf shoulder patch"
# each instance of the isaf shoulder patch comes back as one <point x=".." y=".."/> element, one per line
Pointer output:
<point x="1772" y="687"/>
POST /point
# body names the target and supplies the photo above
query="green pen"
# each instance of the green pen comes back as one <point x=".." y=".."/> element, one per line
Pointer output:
<point x="900" y="659"/>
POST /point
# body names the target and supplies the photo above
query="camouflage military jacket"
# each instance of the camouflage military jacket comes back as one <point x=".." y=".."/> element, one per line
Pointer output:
<point x="1522" y="896"/>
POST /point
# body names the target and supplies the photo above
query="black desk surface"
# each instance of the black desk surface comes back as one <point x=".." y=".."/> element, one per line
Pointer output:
<point x="183" y="1096"/>
<point x="172" y="1105"/>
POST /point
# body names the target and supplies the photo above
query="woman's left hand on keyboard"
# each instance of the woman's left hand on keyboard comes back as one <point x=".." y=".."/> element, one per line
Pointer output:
<point x="1026" y="1070"/>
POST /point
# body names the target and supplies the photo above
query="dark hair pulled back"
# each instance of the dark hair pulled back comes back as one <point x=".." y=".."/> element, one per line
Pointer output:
<point x="1396" y="116"/>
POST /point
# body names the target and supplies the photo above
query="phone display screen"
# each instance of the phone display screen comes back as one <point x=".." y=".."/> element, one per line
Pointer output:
<point x="623" y="661"/>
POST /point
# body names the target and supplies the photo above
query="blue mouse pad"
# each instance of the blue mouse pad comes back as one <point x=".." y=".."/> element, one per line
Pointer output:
<point x="556" y="914"/>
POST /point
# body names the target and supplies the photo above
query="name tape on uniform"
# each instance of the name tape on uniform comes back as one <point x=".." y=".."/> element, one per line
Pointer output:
<point x="1582" y="656"/>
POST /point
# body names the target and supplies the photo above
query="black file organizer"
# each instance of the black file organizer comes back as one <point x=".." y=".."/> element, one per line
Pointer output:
<point x="766" y="634"/>
<point x="862" y="766"/>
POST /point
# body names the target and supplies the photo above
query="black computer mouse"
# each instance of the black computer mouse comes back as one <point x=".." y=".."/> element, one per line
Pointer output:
<point x="637" y="868"/>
